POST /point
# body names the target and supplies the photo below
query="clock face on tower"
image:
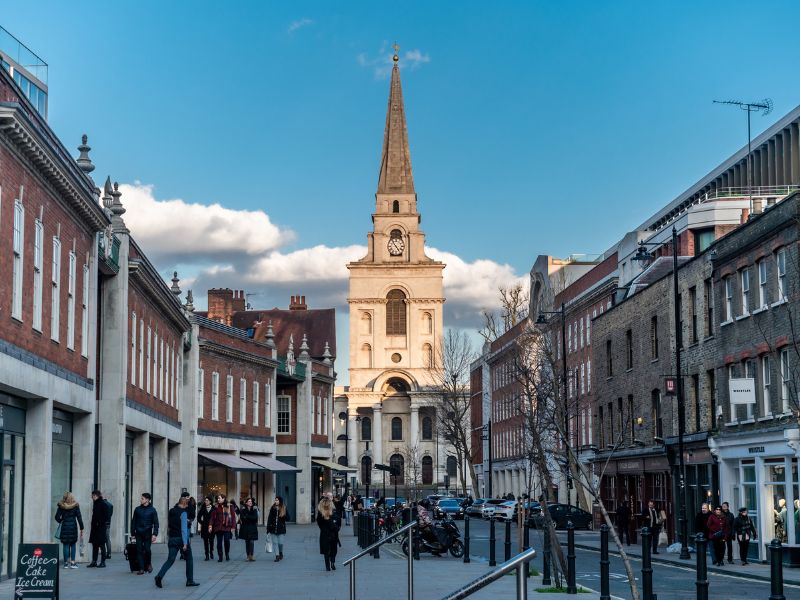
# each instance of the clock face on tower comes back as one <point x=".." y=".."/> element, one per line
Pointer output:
<point x="396" y="244"/>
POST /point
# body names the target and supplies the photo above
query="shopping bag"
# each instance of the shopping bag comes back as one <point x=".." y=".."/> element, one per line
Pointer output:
<point x="268" y="544"/>
<point x="57" y="534"/>
<point x="662" y="539"/>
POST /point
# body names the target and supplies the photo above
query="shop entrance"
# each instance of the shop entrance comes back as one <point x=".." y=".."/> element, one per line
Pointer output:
<point x="12" y="450"/>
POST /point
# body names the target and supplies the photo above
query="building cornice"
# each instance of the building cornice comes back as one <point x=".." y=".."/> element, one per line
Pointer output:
<point x="407" y="300"/>
<point x="228" y="352"/>
<point x="149" y="282"/>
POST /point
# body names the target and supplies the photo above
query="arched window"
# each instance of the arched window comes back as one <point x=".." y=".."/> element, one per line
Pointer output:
<point x="452" y="466"/>
<point x="427" y="323"/>
<point x="396" y="461"/>
<point x="397" y="428"/>
<point x="366" y="323"/>
<point x="366" y="470"/>
<point x="342" y="460"/>
<point x="427" y="428"/>
<point x="342" y="437"/>
<point x="366" y="356"/>
<point x="396" y="206"/>
<point x="366" y="429"/>
<point x="427" y="470"/>
<point x="427" y="355"/>
<point x="396" y="313"/>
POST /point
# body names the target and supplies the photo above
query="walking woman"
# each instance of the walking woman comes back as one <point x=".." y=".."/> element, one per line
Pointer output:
<point x="248" y="530"/>
<point x="203" y="522"/>
<point x="745" y="531"/>
<point x="97" y="534"/>
<point x="348" y="509"/>
<point x="329" y="523"/>
<point x="717" y="527"/>
<point x="222" y="526"/>
<point x="68" y="515"/>
<point x="276" y="526"/>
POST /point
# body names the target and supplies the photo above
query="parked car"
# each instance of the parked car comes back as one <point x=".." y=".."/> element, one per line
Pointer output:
<point x="390" y="502"/>
<point x="474" y="509"/>
<point x="506" y="511"/>
<point x="434" y="499"/>
<point x="449" y="506"/>
<point x="488" y="507"/>
<point x="561" y="514"/>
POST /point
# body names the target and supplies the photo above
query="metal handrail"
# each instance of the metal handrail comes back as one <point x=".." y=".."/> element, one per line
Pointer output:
<point x="519" y="562"/>
<point x="352" y="560"/>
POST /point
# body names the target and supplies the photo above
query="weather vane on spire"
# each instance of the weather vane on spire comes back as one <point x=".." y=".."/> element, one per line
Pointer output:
<point x="396" y="47"/>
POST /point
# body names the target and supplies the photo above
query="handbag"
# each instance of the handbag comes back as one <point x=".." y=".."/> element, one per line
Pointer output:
<point x="57" y="534"/>
<point x="268" y="544"/>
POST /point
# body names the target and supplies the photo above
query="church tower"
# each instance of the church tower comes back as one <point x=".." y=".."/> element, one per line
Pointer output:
<point x="396" y="301"/>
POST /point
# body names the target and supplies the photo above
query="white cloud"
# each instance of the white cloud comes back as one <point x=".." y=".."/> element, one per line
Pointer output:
<point x="382" y="62"/>
<point x="179" y="231"/>
<point x="298" y="24"/>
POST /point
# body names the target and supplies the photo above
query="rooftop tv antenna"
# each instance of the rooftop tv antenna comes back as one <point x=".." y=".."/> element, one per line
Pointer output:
<point x="750" y="107"/>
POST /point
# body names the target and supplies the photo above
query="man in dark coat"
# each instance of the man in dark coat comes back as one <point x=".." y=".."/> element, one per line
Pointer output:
<point x="729" y="518"/>
<point x="97" y="535"/>
<point x="144" y="527"/>
<point x="623" y="522"/>
<point x="110" y="509"/>
<point x="652" y="519"/>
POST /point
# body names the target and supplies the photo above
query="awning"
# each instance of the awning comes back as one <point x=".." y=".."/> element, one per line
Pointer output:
<point x="231" y="461"/>
<point x="270" y="464"/>
<point x="333" y="466"/>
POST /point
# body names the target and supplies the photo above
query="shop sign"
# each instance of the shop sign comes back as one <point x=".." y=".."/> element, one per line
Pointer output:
<point x="671" y="386"/>
<point x="37" y="571"/>
<point x="755" y="450"/>
<point x="657" y="463"/>
<point x="630" y="466"/>
<point x="742" y="390"/>
<point x="698" y="457"/>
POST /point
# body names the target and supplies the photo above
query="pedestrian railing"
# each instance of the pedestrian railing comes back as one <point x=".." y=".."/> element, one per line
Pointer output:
<point x="374" y="547"/>
<point x="519" y="562"/>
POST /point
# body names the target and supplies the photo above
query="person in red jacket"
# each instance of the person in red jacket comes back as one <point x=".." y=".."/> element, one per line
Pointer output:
<point x="222" y="524"/>
<point x="717" y="527"/>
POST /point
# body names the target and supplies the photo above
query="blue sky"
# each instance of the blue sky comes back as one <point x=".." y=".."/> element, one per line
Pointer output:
<point x="534" y="127"/>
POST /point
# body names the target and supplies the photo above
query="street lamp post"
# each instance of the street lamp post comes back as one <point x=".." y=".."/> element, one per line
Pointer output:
<point x="642" y="254"/>
<point x="343" y="423"/>
<point x="541" y="321"/>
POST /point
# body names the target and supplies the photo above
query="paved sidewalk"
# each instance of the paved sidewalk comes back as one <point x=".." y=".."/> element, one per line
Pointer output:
<point x="590" y="540"/>
<point x="300" y="576"/>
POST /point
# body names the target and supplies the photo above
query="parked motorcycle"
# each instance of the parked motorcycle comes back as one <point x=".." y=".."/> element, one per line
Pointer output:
<point x="448" y="540"/>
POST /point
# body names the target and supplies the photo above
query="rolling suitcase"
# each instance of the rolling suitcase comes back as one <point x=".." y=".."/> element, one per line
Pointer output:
<point x="133" y="556"/>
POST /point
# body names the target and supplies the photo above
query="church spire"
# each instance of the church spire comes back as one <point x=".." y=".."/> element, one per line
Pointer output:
<point x="395" y="175"/>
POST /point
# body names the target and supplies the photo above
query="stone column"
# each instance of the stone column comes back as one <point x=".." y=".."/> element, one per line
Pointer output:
<point x="414" y="426"/>
<point x="141" y="474"/>
<point x="38" y="471"/>
<point x="352" y="452"/>
<point x="377" y="433"/>
<point x="162" y="500"/>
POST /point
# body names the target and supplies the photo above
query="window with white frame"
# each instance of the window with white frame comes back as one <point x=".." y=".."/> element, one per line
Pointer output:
<point x="71" y="275"/>
<point x="785" y="380"/>
<point x="85" y="314"/>
<point x="38" y="265"/>
<point x="762" y="283"/>
<point x="780" y="268"/>
<point x="588" y="330"/>
<point x="583" y="379"/>
<point x="242" y="401"/>
<point x="133" y="348"/>
<point x="750" y="373"/>
<point x="319" y="414"/>
<point x="215" y="396"/>
<point x="581" y="331"/>
<point x="229" y="399"/>
<point x="19" y="244"/>
<point x="765" y="383"/>
<point x="728" y="298"/>
<point x="168" y="374"/>
<point x="744" y="278"/>
<point x="201" y="392"/>
<point x="155" y="365"/>
<point x="267" y="405"/>
<point x="325" y="415"/>
<point x="161" y="369"/>
<point x="589" y="376"/>
<point x="256" y="408"/>
<point x="55" y="310"/>
<point x="149" y="364"/>
<point x="141" y="354"/>
<point x="284" y="414"/>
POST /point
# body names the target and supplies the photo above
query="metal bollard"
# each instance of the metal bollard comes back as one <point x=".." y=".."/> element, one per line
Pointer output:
<point x="571" y="587"/>
<point x="466" y="538"/>
<point x="776" y="570"/>
<point x="359" y="534"/>
<point x="492" y="558"/>
<point x="526" y="543"/>
<point x="376" y="535"/>
<point x="605" y="593"/>
<point x="702" y="567"/>
<point x="546" y="558"/>
<point x="507" y="544"/>
<point x="647" y="569"/>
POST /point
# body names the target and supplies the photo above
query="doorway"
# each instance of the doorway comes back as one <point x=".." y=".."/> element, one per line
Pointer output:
<point x="11" y="458"/>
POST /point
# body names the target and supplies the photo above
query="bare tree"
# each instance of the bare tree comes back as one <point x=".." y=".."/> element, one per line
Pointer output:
<point x="450" y="373"/>
<point x="513" y="309"/>
<point x="412" y="463"/>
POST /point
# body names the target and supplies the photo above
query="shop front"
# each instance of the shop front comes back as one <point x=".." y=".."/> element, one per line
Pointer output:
<point x="702" y="476"/>
<point x="12" y="459"/>
<point x="61" y="465"/>
<point x="759" y="470"/>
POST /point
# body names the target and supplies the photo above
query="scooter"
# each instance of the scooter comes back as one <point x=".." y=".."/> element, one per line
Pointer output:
<point x="448" y="537"/>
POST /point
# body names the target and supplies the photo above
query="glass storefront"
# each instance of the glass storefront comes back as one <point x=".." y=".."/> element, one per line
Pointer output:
<point x="12" y="464"/>
<point x="61" y="467"/>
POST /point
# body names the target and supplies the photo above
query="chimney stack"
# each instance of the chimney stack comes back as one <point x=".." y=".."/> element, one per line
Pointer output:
<point x="298" y="303"/>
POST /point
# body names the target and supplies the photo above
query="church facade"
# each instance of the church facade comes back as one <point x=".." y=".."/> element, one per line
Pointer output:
<point x="387" y="415"/>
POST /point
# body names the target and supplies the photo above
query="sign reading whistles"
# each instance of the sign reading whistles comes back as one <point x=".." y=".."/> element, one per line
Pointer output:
<point x="742" y="391"/>
<point x="37" y="571"/>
